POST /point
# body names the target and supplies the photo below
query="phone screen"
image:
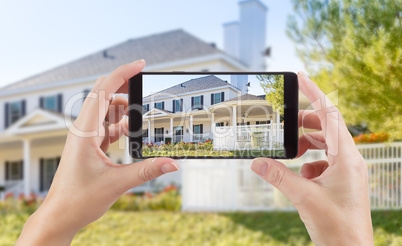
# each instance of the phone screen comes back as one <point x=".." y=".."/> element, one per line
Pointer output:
<point x="213" y="115"/>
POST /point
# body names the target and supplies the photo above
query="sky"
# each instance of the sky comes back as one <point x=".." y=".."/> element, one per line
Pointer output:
<point x="38" y="35"/>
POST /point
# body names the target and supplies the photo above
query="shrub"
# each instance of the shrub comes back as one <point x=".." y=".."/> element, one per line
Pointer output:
<point x="168" y="199"/>
<point x="379" y="137"/>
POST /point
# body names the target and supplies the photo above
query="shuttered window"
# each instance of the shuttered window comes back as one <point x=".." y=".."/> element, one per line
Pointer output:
<point x="52" y="103"/>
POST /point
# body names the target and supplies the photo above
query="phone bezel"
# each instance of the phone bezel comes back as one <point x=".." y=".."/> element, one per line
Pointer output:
<point x="291" y="110"/>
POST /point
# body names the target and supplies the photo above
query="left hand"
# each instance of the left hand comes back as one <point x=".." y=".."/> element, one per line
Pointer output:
<point x="87" y="182"/>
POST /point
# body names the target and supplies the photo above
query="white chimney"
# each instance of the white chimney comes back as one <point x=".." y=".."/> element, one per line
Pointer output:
<point x="249" y="46"/>
<point x="231" y="38"/>
<point x="240" y="81"/>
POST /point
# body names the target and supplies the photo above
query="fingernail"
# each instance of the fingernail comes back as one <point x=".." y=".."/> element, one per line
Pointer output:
<point x="169" y="167"/>
<point x="259" y="166"/>
<point x="140" y="61"/>
<point x="301" y="174"/>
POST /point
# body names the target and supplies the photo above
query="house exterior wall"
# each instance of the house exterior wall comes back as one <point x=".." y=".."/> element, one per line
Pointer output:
<point x="168" y="101"/>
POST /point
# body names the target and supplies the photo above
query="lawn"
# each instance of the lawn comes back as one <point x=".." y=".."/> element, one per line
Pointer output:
<point x="176" y="228"/>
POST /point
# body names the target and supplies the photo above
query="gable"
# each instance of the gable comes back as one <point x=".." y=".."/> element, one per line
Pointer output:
<point x="39" y="120"/>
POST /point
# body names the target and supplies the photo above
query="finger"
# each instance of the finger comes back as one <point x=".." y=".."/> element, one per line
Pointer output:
<point x="331" y="120"/>
<point x="311" y="140"/>
<point x="277" y="174"/>
<point x="117" y="109"/>
<point x="313" y="169"/>
<point x="104" y="146"/>
<point x="117" y="130"/>
<point x="135" y="174"/>
<point x="309" y="119"/>
<point x="94" y="112"/>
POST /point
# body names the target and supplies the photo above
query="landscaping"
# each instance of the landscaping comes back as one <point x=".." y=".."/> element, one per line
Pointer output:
<point x="191" y="149"/>
<point x="155" y="219"/>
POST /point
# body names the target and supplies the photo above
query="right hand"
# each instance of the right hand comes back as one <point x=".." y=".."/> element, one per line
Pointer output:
<point x="331" y="196"/>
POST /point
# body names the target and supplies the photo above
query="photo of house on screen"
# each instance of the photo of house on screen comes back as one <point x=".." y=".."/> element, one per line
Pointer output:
<point x="216" y="108"/>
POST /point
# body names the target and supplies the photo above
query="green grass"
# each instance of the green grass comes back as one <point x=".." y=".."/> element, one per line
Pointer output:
<point x="175" y="228"/>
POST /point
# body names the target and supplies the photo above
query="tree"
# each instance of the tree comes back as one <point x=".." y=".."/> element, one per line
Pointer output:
<point x="274" y="89"/>
<point x="354" y="46"/>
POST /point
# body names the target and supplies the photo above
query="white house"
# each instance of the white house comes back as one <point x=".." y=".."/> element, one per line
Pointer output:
<point x="35" y="112"/>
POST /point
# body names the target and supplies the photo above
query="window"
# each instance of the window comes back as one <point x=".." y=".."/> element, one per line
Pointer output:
<point x="220" y="124"/>
<point x="48" y="168"/>
<point x="158" y="134"/>
<point x="15" y="111"/>
<point x="217" y="98"/>
<point x="177" y="105"/>
<point x="262" y="122"/>
<point x="197" y="102"/>
<point x="14" y="170"/>
<point x="197" y="129"/>
<point x="144" y="133"/>
<point x="145" y="108"/>
<point x="160" y="105"/>
<point x="51" y="103"/>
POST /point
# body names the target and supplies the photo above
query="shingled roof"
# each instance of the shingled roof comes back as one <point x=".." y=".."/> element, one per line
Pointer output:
<point x="197" y="84"/>
<point x="155" y="49"/>
<point x="247" y="97"/>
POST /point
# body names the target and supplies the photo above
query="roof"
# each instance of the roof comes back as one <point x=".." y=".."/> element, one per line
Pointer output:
<point x="247" y="97"/>
<point x="155" y="49"/>
<point x="202" y="83"/>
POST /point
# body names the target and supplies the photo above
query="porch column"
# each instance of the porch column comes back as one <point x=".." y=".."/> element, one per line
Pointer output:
<point x="234" y="121"/>
<point x="27" y="165"/>
<point x="127" y="157"/>
<point x="149" y="131"/>
<point x="212" y="125"/>
<point x="191" y="128"/>
<point x="171" y="129"/>
<point x="278" y="121"/>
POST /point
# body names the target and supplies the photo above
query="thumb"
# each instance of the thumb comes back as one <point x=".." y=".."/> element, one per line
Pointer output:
<point x="135" y="174"/>
<point x="293" y="186"/>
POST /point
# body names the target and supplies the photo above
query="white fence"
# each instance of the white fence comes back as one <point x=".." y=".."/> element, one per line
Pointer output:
<point x="267" y="136"/>
<point x="227" y="185"/>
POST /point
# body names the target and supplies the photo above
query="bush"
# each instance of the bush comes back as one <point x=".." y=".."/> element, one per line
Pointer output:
<point x="379" y="137"/>
<point x="22" y="204"/>
<point x="169" y="200"/>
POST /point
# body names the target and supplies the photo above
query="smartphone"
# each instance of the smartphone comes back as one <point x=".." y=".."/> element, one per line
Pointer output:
<point x="213" y="115"/>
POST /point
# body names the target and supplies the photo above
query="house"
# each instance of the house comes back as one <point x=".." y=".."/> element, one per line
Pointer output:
<point x="37" y="111"/>
<point x="208" y="107"/>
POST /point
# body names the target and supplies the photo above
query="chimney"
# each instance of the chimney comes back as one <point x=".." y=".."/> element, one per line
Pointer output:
<point x="231" y="38"/>
<point x="240" y="81"/>
<point x="245" y="40"/>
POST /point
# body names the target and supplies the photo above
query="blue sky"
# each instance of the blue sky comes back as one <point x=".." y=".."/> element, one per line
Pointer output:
<point x="39" y="35"/>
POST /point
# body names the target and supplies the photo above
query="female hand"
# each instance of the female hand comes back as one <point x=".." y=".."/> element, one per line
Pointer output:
<point x="331" y="196"/>
<point x="87" y="182"/>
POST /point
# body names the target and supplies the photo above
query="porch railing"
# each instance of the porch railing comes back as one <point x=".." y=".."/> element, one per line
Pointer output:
<point x="269" y="136"/>
<point x="177" y="138"/>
